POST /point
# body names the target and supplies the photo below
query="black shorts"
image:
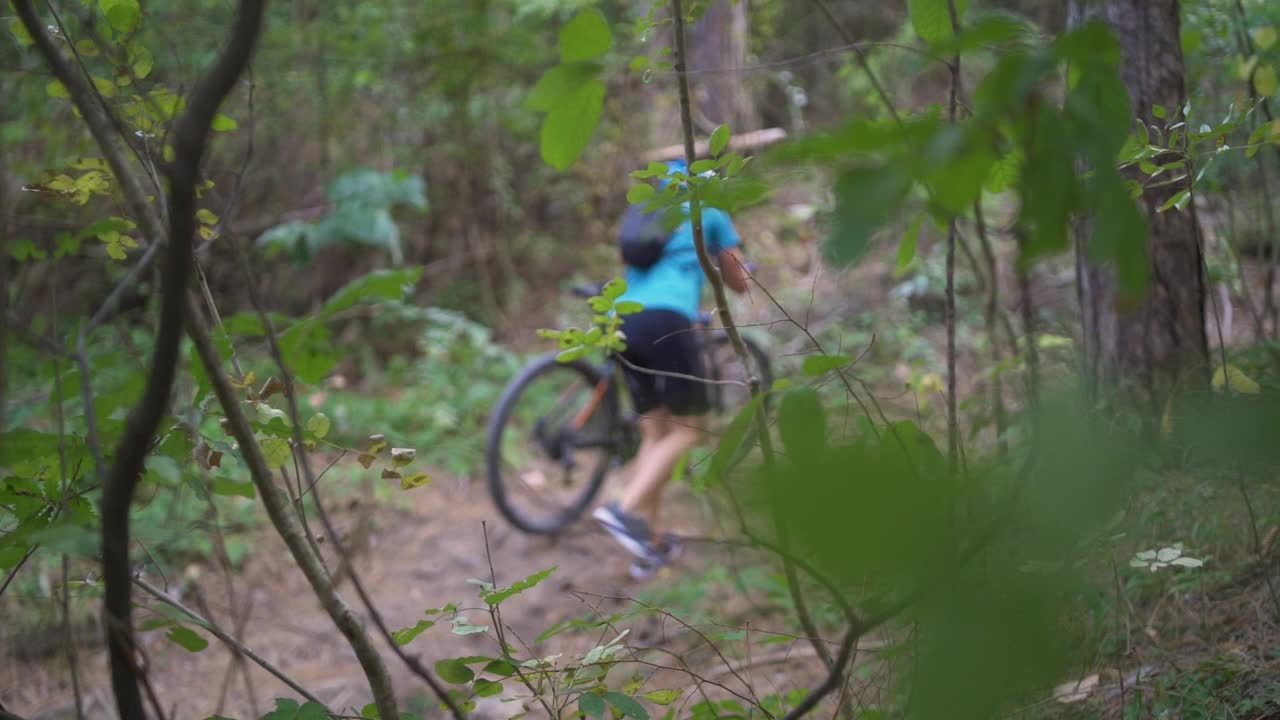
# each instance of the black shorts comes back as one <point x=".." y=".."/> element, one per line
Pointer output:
<point x="664" y="340"/>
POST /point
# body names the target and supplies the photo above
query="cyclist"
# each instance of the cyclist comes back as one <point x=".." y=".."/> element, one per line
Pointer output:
<point x="662" y="364"/>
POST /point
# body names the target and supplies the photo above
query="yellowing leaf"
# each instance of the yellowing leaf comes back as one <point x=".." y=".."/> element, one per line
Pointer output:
<point x="403" y="456"/>
<point x="389" y="474"/>
<point x="223" y="123"/>
<point x="1238" y="381"/>
<point x="19" y="32"/>
<point x="245" y="382"/>
<point x="276" y="451"/>
<point x="1264" y="37"/>
<point x="206" y="217"/>
<point x="1265" y="81"/>
<point x="376" y="443"/>
<point x="104" y="86"/>
<point x="366" y="460"/>
<point x="318" y="425"/>
<point x="415" y="480"/>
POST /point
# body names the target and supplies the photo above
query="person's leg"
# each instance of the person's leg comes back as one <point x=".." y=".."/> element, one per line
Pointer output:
<point x="652" y="470"/>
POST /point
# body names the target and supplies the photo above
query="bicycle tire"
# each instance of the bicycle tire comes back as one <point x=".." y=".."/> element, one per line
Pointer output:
<point x="498" y="421"/>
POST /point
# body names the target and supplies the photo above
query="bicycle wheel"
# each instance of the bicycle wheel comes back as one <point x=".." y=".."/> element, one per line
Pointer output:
<point x="728" y="399"/>
<point x="549" y="443"/>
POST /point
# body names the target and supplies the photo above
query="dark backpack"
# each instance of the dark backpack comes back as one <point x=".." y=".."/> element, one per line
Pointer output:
<point x="643" y="236"/>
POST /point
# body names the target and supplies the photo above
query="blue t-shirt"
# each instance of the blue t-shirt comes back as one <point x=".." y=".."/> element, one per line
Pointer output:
<point x="675" y="281"/>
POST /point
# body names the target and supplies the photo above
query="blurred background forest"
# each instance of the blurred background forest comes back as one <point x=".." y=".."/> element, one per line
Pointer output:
<point x="382" y="135"/>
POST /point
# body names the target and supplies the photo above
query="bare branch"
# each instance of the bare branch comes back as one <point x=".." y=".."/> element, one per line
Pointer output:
<point x="225" y="637"/>
<point x="277" y="505"/>
<point x="383" y="696"/>
<point x="189" y="143"/>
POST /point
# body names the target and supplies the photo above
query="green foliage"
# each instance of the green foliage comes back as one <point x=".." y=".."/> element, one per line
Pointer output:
<point x="572" y="94"/>
<point x="932" y="19"/>
<point x="880" y="163"/>
<point x="362" y="203"/>
<point x="604" y="334"/>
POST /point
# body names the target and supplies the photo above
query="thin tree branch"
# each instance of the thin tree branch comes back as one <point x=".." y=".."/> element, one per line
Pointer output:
<point x="277" y="505"/>
<point x="68" y="639"/>
<point x="953" y="418"/>
<point x="189" y="144"/>
<point x="231" y="642"/>
<point x="726" y="320"/>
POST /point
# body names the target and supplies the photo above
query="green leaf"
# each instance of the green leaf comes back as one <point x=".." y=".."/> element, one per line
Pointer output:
<point x="559" y="82"/>
<point x="1264" y="37"/>
<point x="377" y="285"/>
<point x="20" y="32"/>
<point x="627" y="706"/>
<point x="231" y="488"/>
<point x="815" y="365"/>
<point x="702" y="166"/>
<point x="641" y="193"/>
<point x="591" y="705"/>
<point x="494" y="597"/>
<point x="1177" y="200"/>
<point x="187" y="638"/>
<point x="931" y="19"/>
<point x="463" y="626"/>
<point x="487" y="688"/>
<point x="122" y="15"/>
<point x="453" y="671"/>
<point x="995" y="28"/>
<point x="276" y="451"/>
<point x="613" y="289"/>
<point x="585" y="37"/>
<point x="907" y="248"/>
<point x="628" y="307"/>
<point x="732" y="438"/>
<point x="802" y="423"/>
<point x="1098" y="108"/>
<point x="1265" y="81"/>
<point x="318" y="425"/>
<point x="223" y="123"/>
<point x="1050" y="189"/>
<point x="290" y="710"/>
<point x="571" y="354"/>
<point x="1160" y="111"/>
<point x="404" y="636"/>
<point x="1120" y="234"/>
<point x="662" y="697"/>
<point x="501" y="668"/>
<point x="719" y="140"/>
<point x="568" y="127"/>
<point x="866" y="199"/>
<point x="140" y="61"/>
<point x="56" y="89"/>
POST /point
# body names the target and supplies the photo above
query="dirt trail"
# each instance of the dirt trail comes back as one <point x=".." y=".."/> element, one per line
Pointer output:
<point x="420" y="557"/>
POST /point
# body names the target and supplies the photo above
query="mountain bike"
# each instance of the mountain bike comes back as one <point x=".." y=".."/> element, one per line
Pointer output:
<point x="559" y="427"/>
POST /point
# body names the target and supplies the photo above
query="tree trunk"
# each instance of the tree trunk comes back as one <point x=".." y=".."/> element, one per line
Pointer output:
<point x="1144" y="348"/>
<point x="720" y="42"/>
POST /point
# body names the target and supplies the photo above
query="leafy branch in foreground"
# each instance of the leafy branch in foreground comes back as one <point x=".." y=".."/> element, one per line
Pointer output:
<point x="189" y="138"/>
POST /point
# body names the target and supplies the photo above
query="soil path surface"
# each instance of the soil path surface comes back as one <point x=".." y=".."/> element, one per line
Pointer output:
<point x="419" y="557"/>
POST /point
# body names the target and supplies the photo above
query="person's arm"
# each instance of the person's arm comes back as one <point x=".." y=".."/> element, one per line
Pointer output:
<point x="725" y="245"/>
<point x="733" y="269"/>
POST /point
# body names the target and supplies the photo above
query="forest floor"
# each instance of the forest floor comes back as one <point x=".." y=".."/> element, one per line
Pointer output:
<point x="420" y="556"/>
<point x="429" y="542"/>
